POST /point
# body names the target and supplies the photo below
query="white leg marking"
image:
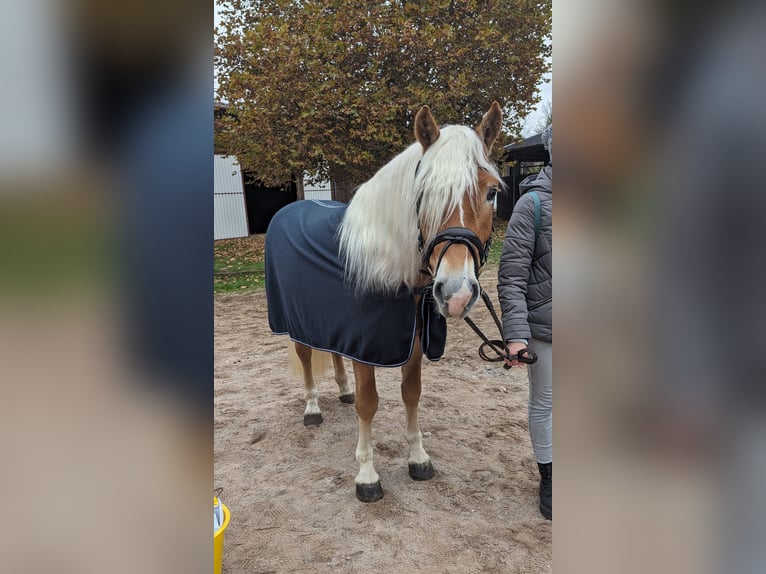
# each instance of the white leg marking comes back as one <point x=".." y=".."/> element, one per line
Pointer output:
<point x="310" y="392"/>
<point x="341" y="377"/>
<point x="418" y="455"/>
<point x="367" y="474"/>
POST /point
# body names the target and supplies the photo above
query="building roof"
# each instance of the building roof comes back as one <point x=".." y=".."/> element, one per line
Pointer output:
<point x="530" y="149"/>
<point x="532" y="141"/>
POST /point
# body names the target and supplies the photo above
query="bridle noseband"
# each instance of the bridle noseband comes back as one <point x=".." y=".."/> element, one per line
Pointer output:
<point x="451" y="236"/>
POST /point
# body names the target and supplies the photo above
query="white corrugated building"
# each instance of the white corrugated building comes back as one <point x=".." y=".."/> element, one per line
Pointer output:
<point x="230" y="213"/>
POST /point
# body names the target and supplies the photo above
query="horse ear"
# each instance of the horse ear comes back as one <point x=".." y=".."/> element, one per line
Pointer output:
<point x="490" y="125"/>
<point x="426" y="130"/>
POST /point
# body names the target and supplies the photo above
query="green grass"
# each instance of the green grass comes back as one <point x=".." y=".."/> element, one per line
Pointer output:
<point x="494" y="253"/>
<point x="498" y="236"/>
<point x="238" y="264"/>
<point x="240" y="282"/>
<point x="227" y="264"/>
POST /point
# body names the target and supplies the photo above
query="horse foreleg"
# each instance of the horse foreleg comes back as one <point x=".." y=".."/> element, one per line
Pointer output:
<point x="419" y="462"/>
<point x="312" y="415"/>
<point x="345" y="392"/>
<point x="368" y="487"/>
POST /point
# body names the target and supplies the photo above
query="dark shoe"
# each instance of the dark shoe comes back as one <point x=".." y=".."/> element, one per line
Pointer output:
<point x="546" y="489"/>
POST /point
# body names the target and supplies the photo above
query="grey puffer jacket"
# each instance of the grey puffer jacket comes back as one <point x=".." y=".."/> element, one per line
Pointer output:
<point x="525" y="276"/>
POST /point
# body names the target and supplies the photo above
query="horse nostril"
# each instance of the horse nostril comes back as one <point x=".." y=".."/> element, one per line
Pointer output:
<point x="476" y="291"/>
<point x="439" y="291"/>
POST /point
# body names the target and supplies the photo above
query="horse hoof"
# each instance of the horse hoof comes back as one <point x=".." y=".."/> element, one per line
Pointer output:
<point x="369" y="492"/>
<point x="348" y="399"/>
<point x="314" y="419"/>
<point x="423" y="471"/>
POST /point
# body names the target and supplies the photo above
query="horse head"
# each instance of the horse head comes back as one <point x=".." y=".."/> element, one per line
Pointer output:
<point x="456" y="188"/>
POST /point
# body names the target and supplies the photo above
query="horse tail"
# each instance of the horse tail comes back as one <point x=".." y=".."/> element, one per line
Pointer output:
<point x="320" y="362"/>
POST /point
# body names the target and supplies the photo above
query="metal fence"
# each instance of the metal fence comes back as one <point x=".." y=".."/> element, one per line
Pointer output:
<point x="321" y="191"/>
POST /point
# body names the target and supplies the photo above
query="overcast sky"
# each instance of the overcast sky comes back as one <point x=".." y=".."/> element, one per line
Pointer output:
<point x="533" y="120"/>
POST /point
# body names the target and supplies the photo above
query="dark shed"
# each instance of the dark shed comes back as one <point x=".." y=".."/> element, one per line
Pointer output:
<point x="519" y="160"/>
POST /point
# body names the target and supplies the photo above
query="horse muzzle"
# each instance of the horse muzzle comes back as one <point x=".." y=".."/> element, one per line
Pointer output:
<point x="455" y="296"/>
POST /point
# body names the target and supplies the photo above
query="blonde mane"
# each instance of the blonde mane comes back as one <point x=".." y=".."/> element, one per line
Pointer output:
<point x="379" y="232"/>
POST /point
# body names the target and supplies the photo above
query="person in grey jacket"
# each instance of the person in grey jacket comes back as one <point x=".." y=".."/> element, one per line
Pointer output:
<point x="525" y="286"/>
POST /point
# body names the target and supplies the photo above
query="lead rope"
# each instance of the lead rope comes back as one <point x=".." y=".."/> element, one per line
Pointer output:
<point x="498" y="346"/>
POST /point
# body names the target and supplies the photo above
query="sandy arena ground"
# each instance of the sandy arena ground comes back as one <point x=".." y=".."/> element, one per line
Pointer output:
<point x="291" y="488"/>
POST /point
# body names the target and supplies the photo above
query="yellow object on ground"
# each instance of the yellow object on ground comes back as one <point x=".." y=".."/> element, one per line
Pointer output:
<point x="218" y="539"/>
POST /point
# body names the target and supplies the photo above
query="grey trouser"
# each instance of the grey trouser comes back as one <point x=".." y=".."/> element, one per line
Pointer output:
<point x="541" y="400"/>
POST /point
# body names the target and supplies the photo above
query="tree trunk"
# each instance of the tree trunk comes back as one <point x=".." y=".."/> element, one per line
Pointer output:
<point x="342" y="190"/>
<point x="299" y="191"/>
<point x="342" y="185"/>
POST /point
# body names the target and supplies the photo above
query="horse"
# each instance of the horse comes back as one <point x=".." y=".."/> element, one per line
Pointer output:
<point x="403" y="255"/>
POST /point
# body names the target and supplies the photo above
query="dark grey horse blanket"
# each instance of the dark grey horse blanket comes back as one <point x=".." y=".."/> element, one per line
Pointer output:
<point x="310" y="299"/>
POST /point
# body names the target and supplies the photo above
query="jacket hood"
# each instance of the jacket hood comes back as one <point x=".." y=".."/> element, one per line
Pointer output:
<point x="542" y="181"/>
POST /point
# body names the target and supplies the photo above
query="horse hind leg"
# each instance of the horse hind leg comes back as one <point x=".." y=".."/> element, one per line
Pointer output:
<point x="367" y="481"/>
<point x="345" y="392"/>
<point x="312" y="415"/>
<point x="419" y="463"/>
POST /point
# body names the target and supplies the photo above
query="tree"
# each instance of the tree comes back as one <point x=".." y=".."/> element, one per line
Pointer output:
<point x="330" y="87"/>
<point x="547" y="109"/>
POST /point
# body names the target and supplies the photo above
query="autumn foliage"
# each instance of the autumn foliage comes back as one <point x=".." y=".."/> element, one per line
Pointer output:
<point x="330" y="87"/>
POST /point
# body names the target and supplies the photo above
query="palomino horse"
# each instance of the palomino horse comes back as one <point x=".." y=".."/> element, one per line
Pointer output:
<point x="405" y="253"/>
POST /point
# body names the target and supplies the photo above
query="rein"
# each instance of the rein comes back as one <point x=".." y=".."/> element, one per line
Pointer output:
<point x="498" y="346"/>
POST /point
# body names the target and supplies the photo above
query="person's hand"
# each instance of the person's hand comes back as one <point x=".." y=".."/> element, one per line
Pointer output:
<point x="513" y="349"/>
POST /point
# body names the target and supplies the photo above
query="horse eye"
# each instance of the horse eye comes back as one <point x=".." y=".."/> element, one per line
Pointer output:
<point x="492" y="193"/>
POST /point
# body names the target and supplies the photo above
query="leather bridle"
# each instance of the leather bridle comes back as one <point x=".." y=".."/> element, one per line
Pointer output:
<point x="479" y="252"/>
